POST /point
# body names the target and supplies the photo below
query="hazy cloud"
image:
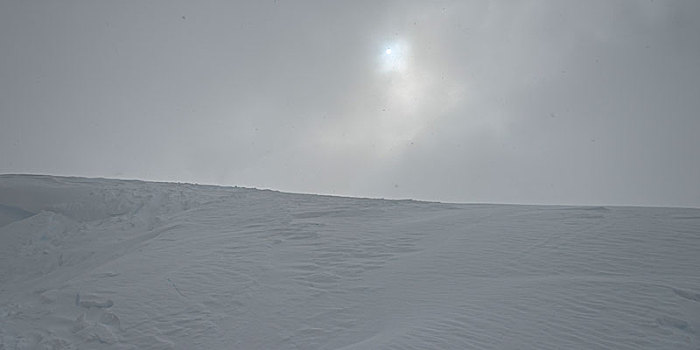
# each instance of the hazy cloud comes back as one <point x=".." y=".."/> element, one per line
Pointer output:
<point x="531" y="102"/>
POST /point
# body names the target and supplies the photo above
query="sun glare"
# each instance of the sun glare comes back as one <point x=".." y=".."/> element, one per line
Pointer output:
<point x="405" y="97"/>
<point x="395" y="57"/>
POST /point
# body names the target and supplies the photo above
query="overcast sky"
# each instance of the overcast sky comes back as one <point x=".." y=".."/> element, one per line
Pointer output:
<point x="554" y="102"/>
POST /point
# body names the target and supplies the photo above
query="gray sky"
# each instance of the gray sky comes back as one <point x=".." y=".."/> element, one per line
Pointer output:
<point x="556" y="102"/>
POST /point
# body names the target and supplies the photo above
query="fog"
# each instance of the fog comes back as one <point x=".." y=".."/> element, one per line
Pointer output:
<point x="551" y="102"/>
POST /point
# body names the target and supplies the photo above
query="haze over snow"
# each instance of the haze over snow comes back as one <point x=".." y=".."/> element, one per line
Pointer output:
<point x="559" y="102"/>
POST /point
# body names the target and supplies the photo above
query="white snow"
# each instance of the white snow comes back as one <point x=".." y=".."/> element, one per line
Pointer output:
<point x="112" y="264"/>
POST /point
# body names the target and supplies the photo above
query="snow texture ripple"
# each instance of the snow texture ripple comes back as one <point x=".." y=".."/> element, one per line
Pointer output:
<point x="114" y="264"/>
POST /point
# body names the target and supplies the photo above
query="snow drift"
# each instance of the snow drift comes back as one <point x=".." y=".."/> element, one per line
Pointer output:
<point x="112" y="264"/>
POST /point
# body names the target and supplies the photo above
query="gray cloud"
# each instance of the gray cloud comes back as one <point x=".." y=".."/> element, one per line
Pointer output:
<point x="530" y="102"/>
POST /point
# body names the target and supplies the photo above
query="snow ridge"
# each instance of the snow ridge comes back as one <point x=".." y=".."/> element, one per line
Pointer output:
<point x="115" y="264"/>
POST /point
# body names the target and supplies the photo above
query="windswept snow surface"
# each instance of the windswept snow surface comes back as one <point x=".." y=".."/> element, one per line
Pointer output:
<point x="111" y="264"/>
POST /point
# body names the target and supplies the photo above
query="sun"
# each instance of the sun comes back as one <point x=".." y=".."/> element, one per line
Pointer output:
<point x="395" y="57"/>
<point x="401" y="100"/>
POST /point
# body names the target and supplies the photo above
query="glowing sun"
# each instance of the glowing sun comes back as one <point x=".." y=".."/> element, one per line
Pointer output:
<point x="394" y="57"/>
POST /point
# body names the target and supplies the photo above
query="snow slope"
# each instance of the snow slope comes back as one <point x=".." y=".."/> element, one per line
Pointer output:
<point x="112" y="264"/>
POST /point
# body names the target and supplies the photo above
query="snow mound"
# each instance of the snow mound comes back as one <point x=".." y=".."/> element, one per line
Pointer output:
<point x="113" y="264"/>
<point x="10" y="214"/>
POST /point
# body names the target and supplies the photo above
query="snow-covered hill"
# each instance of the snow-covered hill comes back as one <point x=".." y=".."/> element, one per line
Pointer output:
<point x="112" y="264"/>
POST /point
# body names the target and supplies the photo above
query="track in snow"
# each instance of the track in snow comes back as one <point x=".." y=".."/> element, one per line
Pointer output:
<point x="111" y="264"/>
